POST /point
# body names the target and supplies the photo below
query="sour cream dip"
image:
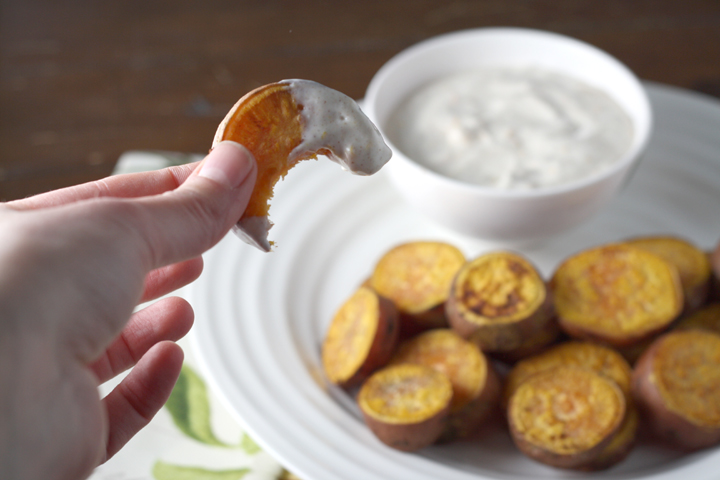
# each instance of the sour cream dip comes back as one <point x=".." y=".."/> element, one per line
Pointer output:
<point x="334" y="124"/>
<point x="511" y="128"/>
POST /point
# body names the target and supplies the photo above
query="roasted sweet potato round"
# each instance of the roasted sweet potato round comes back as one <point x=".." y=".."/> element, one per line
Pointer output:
<point x="416" y="276"/>
<point x="476" y="386"/>
<point x="499" y="301"/>
<point x="676" y="384"/>
<point x="292" y="120"/>
<point x="361" y="338"/>
<point x="692" y="264"/>
<point x="406" y="405"/>
<point x="566" y="417"/>
<point x="598" y="358"/>
<point x="617" y="294"/>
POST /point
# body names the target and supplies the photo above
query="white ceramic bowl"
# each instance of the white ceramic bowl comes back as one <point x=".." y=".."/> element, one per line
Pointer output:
<point x="485" y="212"/>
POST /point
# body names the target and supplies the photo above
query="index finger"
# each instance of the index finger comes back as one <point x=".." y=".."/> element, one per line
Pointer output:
<point x="130" y="185"/>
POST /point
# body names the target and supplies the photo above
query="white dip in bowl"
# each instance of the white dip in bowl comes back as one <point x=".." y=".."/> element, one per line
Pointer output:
<point x="509" y="134"/>
<point x="513" y="128"/>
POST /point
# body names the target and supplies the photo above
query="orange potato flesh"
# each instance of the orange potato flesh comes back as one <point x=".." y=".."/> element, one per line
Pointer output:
<point x="267" y="122"/>
<point x="692" y="265"/>
<point x="476" y="387"/>
<point x="286" y="122"/>
<point x="405" y="394"/>
<point x="617" y="294"/>
<point x="416" y="276"/>
<point x="565" y="416"/>
<point x="500" y="288"/>
<point x="499" y="301"/>
<point x="406" y="405"/>
<point x="443" y="350"/>
<point x="360" y="339"/>
<point x="598" y="358"/>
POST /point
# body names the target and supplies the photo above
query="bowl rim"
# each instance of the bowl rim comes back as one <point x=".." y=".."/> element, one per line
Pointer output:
<point x="628" y="161"/>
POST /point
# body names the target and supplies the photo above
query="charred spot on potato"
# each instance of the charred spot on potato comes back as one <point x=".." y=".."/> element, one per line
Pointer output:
<point x="498" y="300"/>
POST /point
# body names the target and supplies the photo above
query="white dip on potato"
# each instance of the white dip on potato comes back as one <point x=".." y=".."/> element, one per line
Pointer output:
<point x="334" y="125"/>
<point x="511" y="128"/>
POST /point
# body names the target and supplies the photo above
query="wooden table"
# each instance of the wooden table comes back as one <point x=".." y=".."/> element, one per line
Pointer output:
<point x="82" y="81"/>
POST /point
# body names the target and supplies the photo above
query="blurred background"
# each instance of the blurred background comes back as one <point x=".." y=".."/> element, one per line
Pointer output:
<point x="83" y="81"/>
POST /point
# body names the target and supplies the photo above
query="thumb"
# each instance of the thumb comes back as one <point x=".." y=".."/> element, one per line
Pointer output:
<point x="187" y="221"/>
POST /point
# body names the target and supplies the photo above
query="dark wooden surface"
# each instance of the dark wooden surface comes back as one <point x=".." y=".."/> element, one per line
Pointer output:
<point x="82" y="81"/>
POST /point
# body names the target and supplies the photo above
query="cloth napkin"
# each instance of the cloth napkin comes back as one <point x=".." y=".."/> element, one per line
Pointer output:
<point x="193" y="437"/>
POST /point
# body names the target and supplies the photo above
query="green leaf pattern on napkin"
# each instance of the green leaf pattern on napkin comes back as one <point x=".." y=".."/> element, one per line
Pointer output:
<point x="189" y="407"/>
<point x="249" y="445"/>
<point x="165" y="471"/>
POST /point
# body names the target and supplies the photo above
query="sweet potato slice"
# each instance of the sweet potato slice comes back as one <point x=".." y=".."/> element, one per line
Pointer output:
<point x="566" y="417"/>
<point x="406" y="405"/>
<point x="598" y="358"/>
<point x="602" y="360"/>
<point x="361" y="338"/>
<point x="285" y="122"/>
<point x="416" y="276"/>
<point x="676" y="384"/>
<point x="476" y="385"/>
<point x="499" y="301"/>
<point x="692" y="265"/>
<point x="617" y="294"/>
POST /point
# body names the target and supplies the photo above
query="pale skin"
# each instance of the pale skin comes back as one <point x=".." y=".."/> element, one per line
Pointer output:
<point x="74" y="264"/>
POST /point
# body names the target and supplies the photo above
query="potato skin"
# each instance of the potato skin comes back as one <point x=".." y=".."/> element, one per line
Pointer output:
<point x="383" y="346"/>
<point x="667" y="425"/>
<point x="409" y="437"/>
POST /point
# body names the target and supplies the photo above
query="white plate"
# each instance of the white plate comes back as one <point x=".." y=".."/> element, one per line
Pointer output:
<point x="261" y="317"/>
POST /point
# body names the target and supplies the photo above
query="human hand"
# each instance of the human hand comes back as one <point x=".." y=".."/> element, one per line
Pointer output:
<point x="74" y="264"/>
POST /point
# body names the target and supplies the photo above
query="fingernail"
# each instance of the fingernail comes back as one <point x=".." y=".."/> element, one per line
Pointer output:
<point x="228" y="164"/>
